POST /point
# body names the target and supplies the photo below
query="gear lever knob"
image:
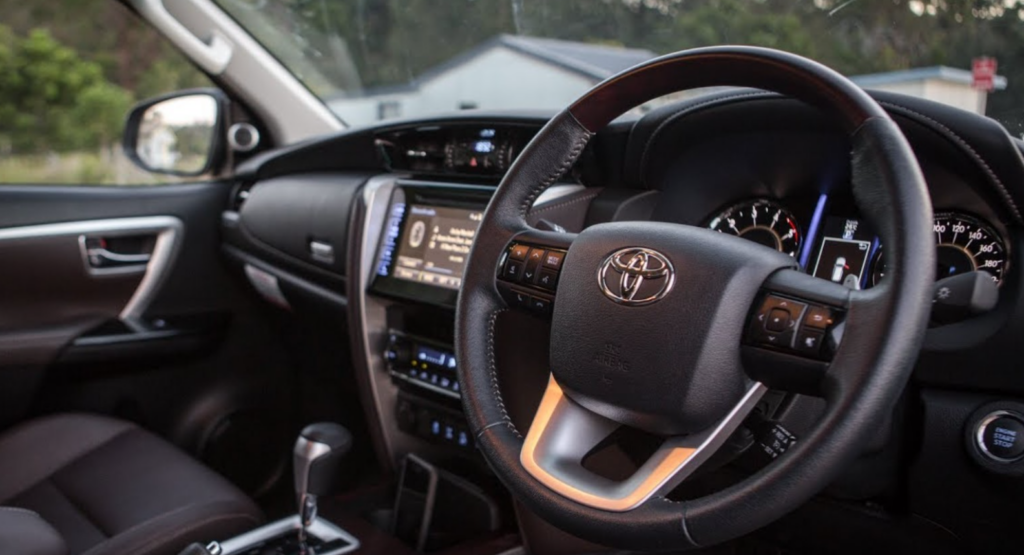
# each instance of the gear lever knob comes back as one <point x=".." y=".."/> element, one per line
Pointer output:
<point x="319" y="452"/>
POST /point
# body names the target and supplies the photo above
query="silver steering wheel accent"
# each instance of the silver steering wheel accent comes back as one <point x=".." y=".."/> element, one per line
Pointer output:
<point x="563" y="433"/>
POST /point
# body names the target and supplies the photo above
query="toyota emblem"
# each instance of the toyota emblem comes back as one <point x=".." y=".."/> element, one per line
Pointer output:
<point x="636" y="276"/>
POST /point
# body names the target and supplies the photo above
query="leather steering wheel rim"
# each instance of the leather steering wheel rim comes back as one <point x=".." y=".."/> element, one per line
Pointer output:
<point x="884" y="330"/>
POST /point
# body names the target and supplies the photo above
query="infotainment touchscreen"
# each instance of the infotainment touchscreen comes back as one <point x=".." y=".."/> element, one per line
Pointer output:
<point x="432" y="245"/>
<point x="427" y="235"/>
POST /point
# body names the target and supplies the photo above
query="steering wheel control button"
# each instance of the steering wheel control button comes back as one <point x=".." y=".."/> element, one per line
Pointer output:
<point x="521" y="299"/>
<point x="547" y="279"/>
<point x="553" y="260"/>
<point x="775" y="322"/>
<point x="1000" y="437"/>
<point x="529" y="277"/>
<point x="818" y="317"/>
<point x="808" y="342"/>
<point x="518" y="252"/>
<point x="535" y="256"/>
<point x="513" y="269"/>
<point x="540" y="305"/>
<point x="778" y="320"/>
<point x="533" y="260"/>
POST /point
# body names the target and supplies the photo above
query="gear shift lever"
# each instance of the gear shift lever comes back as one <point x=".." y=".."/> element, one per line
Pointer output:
<point x="319" y="452"/>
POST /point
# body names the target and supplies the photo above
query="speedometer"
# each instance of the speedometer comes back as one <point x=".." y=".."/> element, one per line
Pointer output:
<point x="761" y="221"/>
<point x="965" y="244"/>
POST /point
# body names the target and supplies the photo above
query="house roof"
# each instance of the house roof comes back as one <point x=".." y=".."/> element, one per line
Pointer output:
<point x="942" y="73"/>
<point x="595" y="61"/>
<point x="598" y="61"/>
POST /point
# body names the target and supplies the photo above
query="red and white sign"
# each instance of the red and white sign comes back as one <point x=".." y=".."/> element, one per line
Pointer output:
<point x="983" y="73"/>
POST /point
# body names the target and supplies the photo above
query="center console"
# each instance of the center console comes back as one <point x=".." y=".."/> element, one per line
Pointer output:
<point x="412" y="239"/>
<point x="417" y="271"/>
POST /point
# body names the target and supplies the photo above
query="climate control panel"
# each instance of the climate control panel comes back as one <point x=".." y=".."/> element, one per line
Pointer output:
<point x="422" y="363"/>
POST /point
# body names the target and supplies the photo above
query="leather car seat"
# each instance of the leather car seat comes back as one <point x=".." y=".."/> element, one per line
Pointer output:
<point x="109" y="487"/>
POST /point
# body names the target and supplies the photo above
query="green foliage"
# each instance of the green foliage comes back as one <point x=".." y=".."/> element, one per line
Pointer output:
<point x="72" y="69"/>
<point x="52" y="100"/>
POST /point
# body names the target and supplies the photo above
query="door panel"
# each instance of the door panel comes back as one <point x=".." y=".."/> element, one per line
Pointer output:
<point x="66" y="272"/>
<point x="174" y="343"/>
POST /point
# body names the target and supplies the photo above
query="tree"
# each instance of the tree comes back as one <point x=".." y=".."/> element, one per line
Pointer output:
<point x="52" y="100"/>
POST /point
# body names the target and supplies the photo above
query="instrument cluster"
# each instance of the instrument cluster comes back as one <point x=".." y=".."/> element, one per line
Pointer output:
<point x="838" y="247"/>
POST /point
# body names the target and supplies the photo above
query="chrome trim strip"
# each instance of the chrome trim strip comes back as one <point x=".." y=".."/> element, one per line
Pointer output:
<point x="169" y="230"/>
<point x="563" y="432"/>
<point x="306" y="452"/>
<point x="979" y="435"/>
<point x="556" y="192"/>
<point x="320" y="528"/>
<point x="376" y="197"/>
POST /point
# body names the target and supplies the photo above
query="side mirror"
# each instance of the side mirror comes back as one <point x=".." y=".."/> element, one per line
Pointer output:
<point x="178" y="134"/>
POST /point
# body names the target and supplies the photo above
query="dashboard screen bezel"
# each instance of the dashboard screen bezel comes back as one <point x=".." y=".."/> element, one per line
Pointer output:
<point x="442" y="195"/>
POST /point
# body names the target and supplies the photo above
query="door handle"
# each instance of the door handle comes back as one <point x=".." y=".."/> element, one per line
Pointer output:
<point x="99" y="259"/>
<point x="103" y="258"/>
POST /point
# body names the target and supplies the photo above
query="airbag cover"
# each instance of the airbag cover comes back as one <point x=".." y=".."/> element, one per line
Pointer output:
<point x="669" y="365"/>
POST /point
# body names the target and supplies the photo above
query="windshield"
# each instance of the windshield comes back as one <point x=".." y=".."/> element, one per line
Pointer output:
<point x="374" y="60"/>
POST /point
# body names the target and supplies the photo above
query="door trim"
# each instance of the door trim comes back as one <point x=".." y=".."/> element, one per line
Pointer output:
<point x="169" y="232"/>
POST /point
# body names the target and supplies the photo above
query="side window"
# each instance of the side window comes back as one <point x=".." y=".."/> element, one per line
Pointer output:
<point x="69" y="73"/>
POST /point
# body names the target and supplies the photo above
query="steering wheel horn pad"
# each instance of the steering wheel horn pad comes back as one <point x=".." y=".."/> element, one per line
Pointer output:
<point x="689" y="338"/>
<point x="671" y="366"/>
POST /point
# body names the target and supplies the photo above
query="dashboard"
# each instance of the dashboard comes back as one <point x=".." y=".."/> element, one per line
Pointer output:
<point x="403" y="202"/>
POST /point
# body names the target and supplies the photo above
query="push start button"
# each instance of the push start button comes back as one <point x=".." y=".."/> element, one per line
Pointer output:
<point x="1000" y="436"/>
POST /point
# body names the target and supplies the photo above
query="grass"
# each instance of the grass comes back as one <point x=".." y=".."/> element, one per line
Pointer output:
<point x="108" y="166"/>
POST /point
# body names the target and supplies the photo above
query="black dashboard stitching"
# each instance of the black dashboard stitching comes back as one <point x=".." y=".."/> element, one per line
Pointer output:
<point x="689" y="110"/>
<point x="577" y="148"/>
<point x="950" y="134"/>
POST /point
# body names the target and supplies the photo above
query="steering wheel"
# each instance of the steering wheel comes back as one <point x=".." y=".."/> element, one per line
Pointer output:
<point x="651" y="323"/>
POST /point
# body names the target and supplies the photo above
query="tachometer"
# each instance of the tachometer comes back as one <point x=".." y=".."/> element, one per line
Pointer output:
<point x="965" y="244"/>
<point x="761" y="221"/>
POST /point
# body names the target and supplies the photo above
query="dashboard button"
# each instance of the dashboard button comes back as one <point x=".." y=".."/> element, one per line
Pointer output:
<point x="1000" y="436"/>
<point x="553" y="260"/>
<point x="778" y="320"/>
<point x="519" y="252"/>
<point x="548" y="279"/>
<point x="808" y="342"/>
<point x="513" y="269"/>
<point x="818" y="317"/>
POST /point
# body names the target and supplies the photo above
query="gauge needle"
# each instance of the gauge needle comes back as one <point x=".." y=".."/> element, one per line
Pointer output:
<point x="732" y="224"/>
